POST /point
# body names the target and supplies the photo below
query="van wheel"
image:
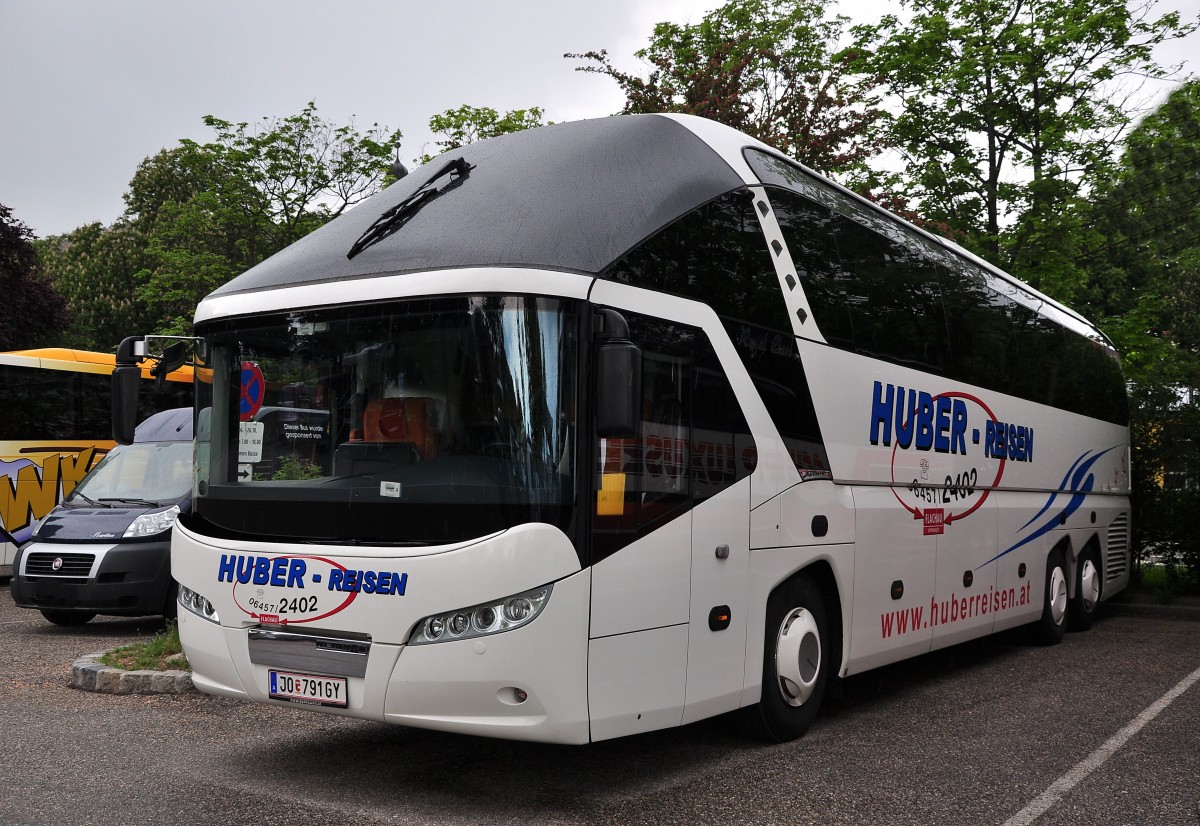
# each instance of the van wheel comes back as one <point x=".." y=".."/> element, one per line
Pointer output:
<point x="1053" y="624"/>
<point x="1089" y="585"/>
<point x="67" y="618"/>
<point x="795" y="662"/>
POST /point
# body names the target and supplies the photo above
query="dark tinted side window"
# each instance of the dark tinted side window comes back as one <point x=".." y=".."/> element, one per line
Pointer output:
<point x="38" y="404"/>
<point x="718" y="254"/>
<point x="62" y="405"/>
<point x="693" y="441"/>
<point x="879" y="288"/>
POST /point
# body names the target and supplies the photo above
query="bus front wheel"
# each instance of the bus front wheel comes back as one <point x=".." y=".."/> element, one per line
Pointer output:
<point x="795" y="661"/>
<point x="1053" y="624"/>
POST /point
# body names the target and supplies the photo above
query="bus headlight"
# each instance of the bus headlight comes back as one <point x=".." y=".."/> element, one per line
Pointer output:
<point x="149" y="524"/>
<point x="198" y="605"/>
<point x="482" y="620"/>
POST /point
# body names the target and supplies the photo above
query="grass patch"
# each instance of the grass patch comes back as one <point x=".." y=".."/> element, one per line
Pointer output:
<point x="161" y="653"/>
<point x="1168" y="582"/>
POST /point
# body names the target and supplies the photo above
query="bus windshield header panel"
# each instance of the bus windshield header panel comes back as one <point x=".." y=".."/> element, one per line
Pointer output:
<point x="413" y="422"/>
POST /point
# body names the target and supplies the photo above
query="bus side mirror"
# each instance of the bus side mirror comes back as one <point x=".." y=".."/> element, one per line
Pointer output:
<point x="125" y="382"/>
<point x="618" y="389"/>
<point x="174" y="357"/>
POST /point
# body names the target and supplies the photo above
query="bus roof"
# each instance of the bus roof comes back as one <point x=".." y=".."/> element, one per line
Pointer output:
<point x="572" y="196"/>
<point x="87" y="361"/>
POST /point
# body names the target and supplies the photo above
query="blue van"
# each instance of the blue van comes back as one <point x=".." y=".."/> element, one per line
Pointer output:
<point x="106" y="548"/>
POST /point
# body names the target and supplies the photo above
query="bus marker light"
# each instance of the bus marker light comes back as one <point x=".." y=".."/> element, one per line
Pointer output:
<point x="718" y="618"/>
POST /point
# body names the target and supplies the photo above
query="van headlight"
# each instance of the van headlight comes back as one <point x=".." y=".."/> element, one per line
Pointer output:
<point x="198" y="604"/>
<point x="149" y="524"/>
<point x="482" y="620"/>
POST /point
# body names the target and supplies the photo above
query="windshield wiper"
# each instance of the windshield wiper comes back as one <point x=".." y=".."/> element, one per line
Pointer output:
<point x="91" y="502"/>
<point x="396" y="217"/>
<point x="130" y="501"/>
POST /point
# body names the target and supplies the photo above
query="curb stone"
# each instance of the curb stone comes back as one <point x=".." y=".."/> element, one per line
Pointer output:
<point x="89" y="674"/>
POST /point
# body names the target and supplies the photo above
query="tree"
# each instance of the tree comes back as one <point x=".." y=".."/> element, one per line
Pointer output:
<point x="771" y="68"/>
<point x="467" y="124"/>
<point x="1145" y="266"/>
<point x="93" y="269"/>
<point x="198" y="214"/>
<point x="32" y="314"/>
<point x="1007" y="109"/>
<point x="307" y="170"/>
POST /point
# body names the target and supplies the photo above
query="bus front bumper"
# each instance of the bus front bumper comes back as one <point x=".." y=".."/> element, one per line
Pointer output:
<point x="526" y="684"/>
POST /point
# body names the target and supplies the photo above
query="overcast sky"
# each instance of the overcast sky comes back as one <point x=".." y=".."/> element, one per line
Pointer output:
<point x="88" y="89"/>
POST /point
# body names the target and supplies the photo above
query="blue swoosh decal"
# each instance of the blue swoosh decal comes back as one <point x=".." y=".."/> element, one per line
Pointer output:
<point x="1081" y="483"/>
<point x="1061" y="486"/>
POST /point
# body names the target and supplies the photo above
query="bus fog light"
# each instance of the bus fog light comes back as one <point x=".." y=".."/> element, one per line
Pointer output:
<point x="482" y="620"/>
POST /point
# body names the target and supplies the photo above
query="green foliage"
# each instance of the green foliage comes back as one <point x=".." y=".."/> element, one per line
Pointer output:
<point x="1169" y="581"/>
<point x="93" y="269"/>
<point x="771" y="68"/>
<point x="1144" y="266"/>
<point x="1008" y="110"/>
<point x="32" y="312"/>
<point x="163" y="652"/>
<point x="293" y="467"/>
<point x="467" y="124"/>
<point x="199" y="214"/>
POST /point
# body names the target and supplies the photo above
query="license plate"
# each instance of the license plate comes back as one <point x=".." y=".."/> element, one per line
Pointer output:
<point x="307" y="688"/>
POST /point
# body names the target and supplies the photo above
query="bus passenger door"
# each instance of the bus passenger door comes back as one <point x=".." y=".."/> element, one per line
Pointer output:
<point x="720" y="578"/>
<point x="670" y="531"/>
<point x="720" y="544"/>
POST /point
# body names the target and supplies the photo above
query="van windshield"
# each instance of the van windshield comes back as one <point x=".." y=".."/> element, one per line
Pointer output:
<point x="146" y="473"/>
<point x="420" y="421"/>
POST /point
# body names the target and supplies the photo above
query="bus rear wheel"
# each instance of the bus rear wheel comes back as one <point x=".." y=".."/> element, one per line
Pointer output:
<point x="795" y="662"/>
<point x="1088" y="586"/>
<point x="1053" y="624"/>
<point x="67" y="618"/>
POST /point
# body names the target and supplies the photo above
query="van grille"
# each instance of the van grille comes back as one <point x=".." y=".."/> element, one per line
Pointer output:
<point x="73" y="565"/>
<point x="1116" y="562"/>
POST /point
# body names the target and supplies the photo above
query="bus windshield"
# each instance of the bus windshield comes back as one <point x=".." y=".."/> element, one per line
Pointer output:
<point x="413" y="422"/>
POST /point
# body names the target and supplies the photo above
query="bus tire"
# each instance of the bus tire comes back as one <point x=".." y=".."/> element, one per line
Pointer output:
<point x="67" y="618"/>
<point x="1089" y="584"/>
<point x="1055" y="605"/>
<point x="795" y="662"/>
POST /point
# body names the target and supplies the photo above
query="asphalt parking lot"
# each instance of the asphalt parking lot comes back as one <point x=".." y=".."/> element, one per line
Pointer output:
<point x="1102" y="729"/>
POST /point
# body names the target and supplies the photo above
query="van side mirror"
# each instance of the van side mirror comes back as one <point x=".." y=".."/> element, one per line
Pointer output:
<point x="618" y="389"/>
<point x="125" y="384"/>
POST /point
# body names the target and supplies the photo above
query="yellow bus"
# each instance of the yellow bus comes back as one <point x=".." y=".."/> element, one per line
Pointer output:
<point x="55" y="424"/>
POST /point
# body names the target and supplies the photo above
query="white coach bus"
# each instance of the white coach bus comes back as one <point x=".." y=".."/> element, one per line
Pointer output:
<point x="615" y="425"/>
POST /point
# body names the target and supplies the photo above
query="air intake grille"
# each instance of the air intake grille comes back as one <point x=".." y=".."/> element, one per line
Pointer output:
<point x="72" y="565"/>
<point x="1116" y="563"/>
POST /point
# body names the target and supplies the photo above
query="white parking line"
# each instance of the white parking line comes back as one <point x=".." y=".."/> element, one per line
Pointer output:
<point x="1059" y="788"/>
